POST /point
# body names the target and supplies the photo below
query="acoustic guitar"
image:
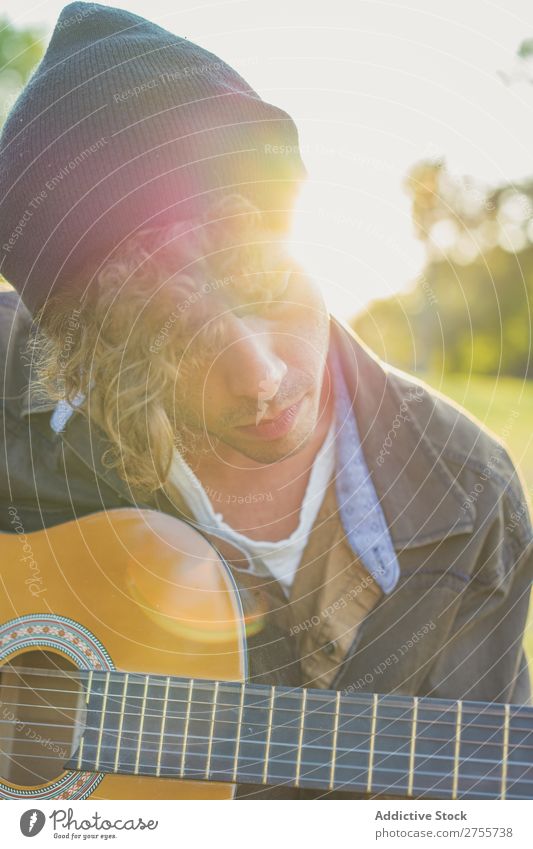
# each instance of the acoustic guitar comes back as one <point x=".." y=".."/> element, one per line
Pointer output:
<point x="123" y="675"/>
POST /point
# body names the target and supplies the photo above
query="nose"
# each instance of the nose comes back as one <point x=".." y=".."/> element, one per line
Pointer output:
<point x="254" y="370"/>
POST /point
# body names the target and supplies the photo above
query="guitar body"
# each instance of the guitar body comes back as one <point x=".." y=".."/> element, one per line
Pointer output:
<point x="123" y="675"/>
<point x="132" y="590"/>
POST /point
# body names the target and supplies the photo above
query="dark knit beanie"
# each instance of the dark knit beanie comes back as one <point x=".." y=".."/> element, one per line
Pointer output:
<point x="125" y="125"/>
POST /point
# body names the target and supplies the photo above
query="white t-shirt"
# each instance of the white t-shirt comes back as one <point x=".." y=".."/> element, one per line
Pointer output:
<point x="279" y="559"/>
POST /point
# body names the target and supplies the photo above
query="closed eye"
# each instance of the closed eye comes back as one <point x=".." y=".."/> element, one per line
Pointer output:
<point x="265" y="299"/>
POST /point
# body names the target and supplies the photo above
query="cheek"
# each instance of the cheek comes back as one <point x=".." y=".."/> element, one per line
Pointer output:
<point x="210" y="393"/>
<point x="190" y="392"/>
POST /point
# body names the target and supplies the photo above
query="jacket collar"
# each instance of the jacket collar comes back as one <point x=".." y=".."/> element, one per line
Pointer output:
<point x="420" y="497"/>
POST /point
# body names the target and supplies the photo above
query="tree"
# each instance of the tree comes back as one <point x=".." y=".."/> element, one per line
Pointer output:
<point x="20" y="51"/>
<point x="471" y="308"/>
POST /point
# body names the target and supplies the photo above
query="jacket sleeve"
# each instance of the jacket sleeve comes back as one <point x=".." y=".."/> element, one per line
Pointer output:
<point x="484" y="657"/>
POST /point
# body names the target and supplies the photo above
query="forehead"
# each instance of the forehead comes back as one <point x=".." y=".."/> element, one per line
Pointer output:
<point x="201" y="300"/>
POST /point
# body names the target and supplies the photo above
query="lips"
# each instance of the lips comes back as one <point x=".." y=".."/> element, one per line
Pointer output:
<point x="277" y="427"/>
<point x="271" y="419"/>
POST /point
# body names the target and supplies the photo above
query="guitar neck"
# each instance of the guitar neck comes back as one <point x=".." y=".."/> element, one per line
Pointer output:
<point x="153" y="725"/>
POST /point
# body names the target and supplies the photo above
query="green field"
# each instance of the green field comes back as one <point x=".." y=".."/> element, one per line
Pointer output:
<point x="504" y="406"/>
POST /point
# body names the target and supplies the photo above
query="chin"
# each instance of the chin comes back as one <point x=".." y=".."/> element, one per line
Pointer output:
<point x="278" y="449"/>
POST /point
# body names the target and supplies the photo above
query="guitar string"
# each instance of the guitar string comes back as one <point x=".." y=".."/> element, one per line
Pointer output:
<point x="387" y="754"/>
<point x="284" y="782"/>
<point x="203" y="740"/>
<point x="260" y="726"/>
<point x="209" y="706"/>
<point x="159" y="679"/>
<point x="274" y="761"/>
<point x="470" y="758"/>
<point x="309" y="728"/>
<point x="219" y="706"/>
<point x="207" y="684"/>
<point x="309" y="744"/>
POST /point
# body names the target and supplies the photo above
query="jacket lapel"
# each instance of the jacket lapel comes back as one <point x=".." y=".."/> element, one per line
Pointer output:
<point x="419" y="495"/>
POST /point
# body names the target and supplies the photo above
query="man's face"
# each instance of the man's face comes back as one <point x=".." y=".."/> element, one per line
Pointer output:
<point x="259" y="360"/>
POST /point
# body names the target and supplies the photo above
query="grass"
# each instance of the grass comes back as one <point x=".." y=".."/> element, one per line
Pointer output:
<point x="505" y="407"/>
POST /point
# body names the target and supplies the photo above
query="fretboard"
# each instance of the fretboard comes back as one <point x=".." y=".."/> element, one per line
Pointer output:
<point x="397" y="745"/>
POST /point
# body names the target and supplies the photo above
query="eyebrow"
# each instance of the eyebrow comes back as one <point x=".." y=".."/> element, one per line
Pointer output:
<point x="233" y="292"/>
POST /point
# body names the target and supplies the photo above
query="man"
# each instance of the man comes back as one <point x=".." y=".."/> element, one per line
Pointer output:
<point x="180" y="359"/>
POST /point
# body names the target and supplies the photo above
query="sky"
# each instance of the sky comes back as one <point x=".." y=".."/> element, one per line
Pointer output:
<point x="373" y="88"/>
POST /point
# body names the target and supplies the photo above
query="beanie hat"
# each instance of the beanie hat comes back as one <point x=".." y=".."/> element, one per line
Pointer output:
<point x="124" y="125"/>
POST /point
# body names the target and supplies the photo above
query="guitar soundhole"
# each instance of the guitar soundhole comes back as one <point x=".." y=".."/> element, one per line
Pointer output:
<point x="41" y="717"/>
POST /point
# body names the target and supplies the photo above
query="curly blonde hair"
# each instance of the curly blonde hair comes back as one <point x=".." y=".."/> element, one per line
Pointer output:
<point x="120" y="345"/>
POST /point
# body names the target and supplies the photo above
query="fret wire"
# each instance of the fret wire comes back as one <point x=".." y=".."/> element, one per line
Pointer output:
<point x="100" y="733"/>
<point x="186" y="728"/>
<point x="87" y="696"/>
<point x="334" y="741"/>
<point x="457" y="749"/>
<point x="269" y="732"/>
<point x="80" y="754"/>
<point x="121" y="720"/>
<point x="89" y="685"/>
<point x="371" y="743"/>
<point x="238" y="742"/>
<point x="412" y="750"/>
<point x="139" y="743"/>
<point x="300" y="741"/>
<point x="505" y="751"/>
<point x="163" y="721"/>
<point x="211" y="731"/>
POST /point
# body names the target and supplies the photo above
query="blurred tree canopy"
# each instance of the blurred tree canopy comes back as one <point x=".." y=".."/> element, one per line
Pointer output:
<point x="20" y="51"/>
<point x="470" y="310"/>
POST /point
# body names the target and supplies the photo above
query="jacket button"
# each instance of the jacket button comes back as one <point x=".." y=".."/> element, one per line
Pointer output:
<point x="329" y="648"/>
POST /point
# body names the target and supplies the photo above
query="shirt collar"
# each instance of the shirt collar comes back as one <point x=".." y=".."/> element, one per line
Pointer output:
<point x="360" y="511"/>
